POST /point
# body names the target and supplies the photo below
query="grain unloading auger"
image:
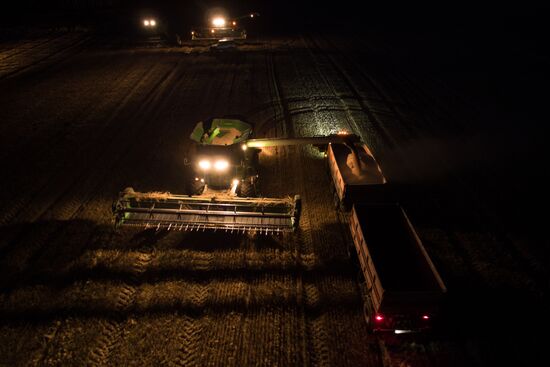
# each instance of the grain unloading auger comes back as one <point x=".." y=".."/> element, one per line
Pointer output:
<point x="222" y="186"/>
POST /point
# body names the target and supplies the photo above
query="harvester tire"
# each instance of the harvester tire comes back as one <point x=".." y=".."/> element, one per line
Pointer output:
<point x="195" y="187"/>
<point x="248" y="189"/>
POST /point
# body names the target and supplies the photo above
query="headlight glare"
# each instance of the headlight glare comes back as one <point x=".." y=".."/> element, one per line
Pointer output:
<point x="205" y="164"/>
<point x="221" y="165"/>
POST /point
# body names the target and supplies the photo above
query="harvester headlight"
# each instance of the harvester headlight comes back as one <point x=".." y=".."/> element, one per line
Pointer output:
<point x="221" y="165"/>
<point x="205" y="164"/>
<point x="218" y="22"/>
<point x="149" y="22"/>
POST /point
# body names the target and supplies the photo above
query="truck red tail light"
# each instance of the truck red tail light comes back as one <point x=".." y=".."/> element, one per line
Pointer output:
<point x="379" y="317"/>
<point x="425" y="317"/>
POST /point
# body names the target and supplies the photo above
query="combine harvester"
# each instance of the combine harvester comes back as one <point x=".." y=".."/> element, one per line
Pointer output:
<point x="222" y="189"/>
<point x="222" y="28"/>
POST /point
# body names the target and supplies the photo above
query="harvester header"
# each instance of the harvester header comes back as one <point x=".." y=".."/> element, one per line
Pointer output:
<point x="199" y="213"/>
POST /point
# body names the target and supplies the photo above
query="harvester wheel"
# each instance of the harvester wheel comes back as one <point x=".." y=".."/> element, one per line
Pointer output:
<point x="196" y="187"/>
<point x="247" y="189"/>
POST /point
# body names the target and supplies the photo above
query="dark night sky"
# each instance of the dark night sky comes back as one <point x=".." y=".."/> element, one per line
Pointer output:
<point x="392" y="13"/>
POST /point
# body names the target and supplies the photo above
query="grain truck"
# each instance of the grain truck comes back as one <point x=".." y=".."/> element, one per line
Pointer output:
<point x="400" y="285"/>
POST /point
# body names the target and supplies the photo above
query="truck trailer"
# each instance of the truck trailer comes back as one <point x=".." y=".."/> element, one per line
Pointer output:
<point x="401" y="287"/>
<point x="355" y="175"/>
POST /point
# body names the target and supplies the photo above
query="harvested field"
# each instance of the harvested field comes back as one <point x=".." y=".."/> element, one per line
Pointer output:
<point x="76" y="130"/>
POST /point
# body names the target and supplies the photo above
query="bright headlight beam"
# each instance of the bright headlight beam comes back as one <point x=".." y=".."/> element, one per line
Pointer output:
<point x="204" y="164"/>
<point x="221" y="165"/>
<point x="146" y="23"/>
<point x="218" y="22"/>
<point x="153" y="22"/>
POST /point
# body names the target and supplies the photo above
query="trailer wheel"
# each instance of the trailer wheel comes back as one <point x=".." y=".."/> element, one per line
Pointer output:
<point x="336" y="200"/>
<point x="367" y="316"/>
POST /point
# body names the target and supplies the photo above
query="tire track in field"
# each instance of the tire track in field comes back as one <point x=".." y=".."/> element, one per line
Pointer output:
<point x="342" y="99"/>
<point x="111" y="330"/>
<point x="356" y="127"/>
<point x="317" y="216"/>
<point x="41" y="354"/>
<point x="17" y="211"/>
<point x="281" y="100"/>
<point x="189" y="339"/>
<point x="319" y="342"/>
<point x="63" y="208"/>
<point x="27" y="46"/>
<point x="40" y="59"/>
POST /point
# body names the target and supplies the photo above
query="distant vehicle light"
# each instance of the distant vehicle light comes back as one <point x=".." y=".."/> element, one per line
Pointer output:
<point x="146" y="23"/>
<point x="218" y="22"/>
<point x="379" y="318"/>
<point x="153" y="22"/>
<point x="234" y="23"/>
<point x="343" y="132"/>
<point x="425" y="317"/>
<point x="235" y="182"/>
<point x="251" y="15"/>
<point x="213" y="30"/>
<point x="205" y="165"/>
<point x="221" y="165"/>
<point x="244" y="147"/>
<point x="397" y="331"/>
